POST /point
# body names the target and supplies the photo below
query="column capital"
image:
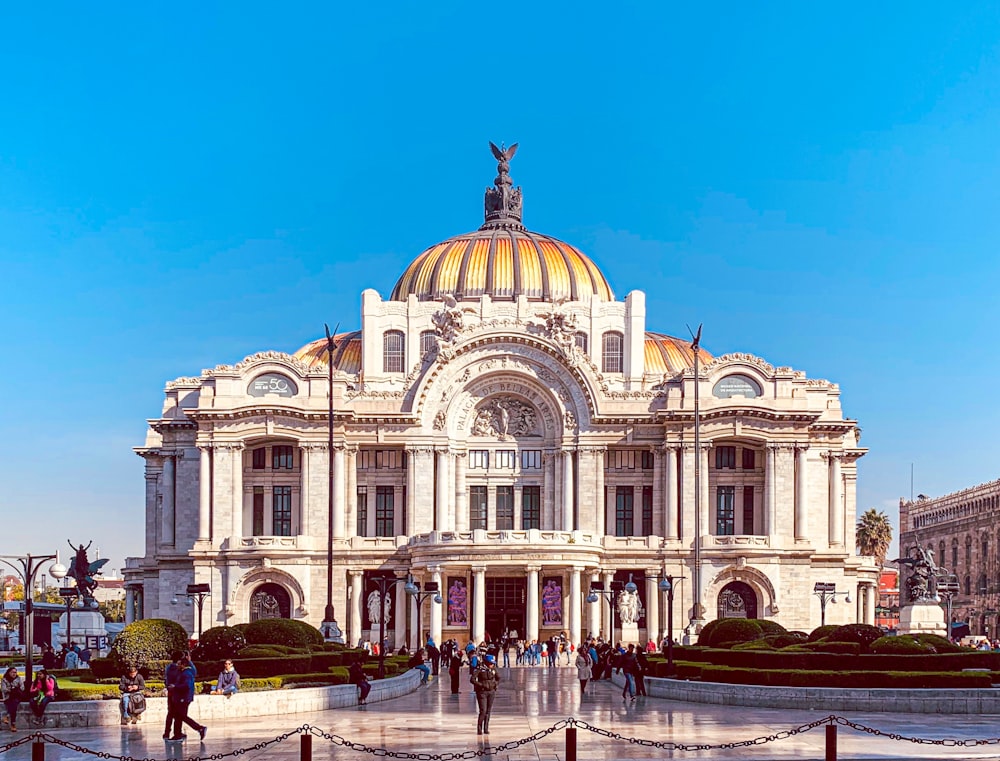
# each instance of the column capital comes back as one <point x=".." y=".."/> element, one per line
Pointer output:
<point x="652" y="573"/>
<point x="422" y="451"/>
<point x="668" y="447"/>
<point x="438" y="569"/>
<point x="591" y="449"/>
<point x="355" y="572"/>
<point x="530" y="568"/>
<point x="801" y="446"/>
<point x="833" y="455"/>
<point x="206" y="446"/>
<point x="230" y="446"/>
<point x="478" y="569"/>
<point x="312" y="446"/>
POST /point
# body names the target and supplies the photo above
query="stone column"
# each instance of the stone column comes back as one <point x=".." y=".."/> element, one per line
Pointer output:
<point x="653" y="626"/>
<point x="567" y="491"/>
<point x="593" y="608"/>
<point x="338" y="491"/>
<point x="357" y="606"/>
<point x="129" y="605"/>
<point x="461" y="495"/>
<point x="688" y="500"/>
<point x="659" y="514"/>
<point x="436" y="607"/>
<point x="441" y="501"/>
<point x="670" y="492"/>
<point x="305" y="460"/>
<point x="836" y="502"/>
<point x="531" y="624"/>
<point x="575" y="606"/>
<point x="237" y="454"/>
<point x="400" y="621"/>
<point x="411" y="489"/>
<point x="607" y="617"/>
<point x="703" y="500"/>
<point x="414" y="639"/>
<point x="479" y="603"/>
<point x="801" y="494"/>
<point x="769" y="495"/>
<point x="351" y="496"/>
<point x="205" y="493"/>
<point x="600" y="491"/>
<point x="167" y="506"/>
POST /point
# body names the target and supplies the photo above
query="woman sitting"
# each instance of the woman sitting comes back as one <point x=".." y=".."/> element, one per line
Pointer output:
<point x="13" y="692"/>
<point x="417" y="662"/>
<point x="43" y="692"/>
<point x="228" y="681"/>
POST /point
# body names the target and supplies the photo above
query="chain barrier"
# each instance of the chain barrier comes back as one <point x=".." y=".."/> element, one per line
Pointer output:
<point x="488" y="750"/>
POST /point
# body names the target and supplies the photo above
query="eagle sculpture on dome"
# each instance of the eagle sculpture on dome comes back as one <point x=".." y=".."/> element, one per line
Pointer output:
<point x="503" y="154"/>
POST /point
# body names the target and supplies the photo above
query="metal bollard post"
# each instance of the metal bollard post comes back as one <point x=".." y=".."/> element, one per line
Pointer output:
<point x="305" y="747"/>
<point x="38" y="750"/>
<point x="570" y="743"/>
<point x="831" y="742"/>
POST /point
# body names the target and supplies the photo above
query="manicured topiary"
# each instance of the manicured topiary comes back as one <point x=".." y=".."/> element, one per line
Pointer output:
<point x="282" y="631"/>
<point x="822" y="632"/>
<point x="729" y="631"/>
<point x="151" y="639"/>
<point x="757" y="644"/>
<point x="940" y="644"/>
<point x="770" y="627"/>
<point x="901" y="645"/>
<point x="779" y="641"/>
<point x="860" y="634"/>
<point x="705" y="635"/>
<point x="219" y="642"/>
<point x="261" y="651"/>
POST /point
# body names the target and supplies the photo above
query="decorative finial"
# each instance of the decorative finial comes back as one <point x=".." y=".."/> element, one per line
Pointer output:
<point x="503" y="200"/>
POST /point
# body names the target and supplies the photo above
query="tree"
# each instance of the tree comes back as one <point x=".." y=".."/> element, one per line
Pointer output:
<point x="874" y="534"/>
<point x="113" y="610"/>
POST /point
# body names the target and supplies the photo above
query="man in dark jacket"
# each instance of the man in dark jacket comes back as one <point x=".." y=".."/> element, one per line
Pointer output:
<point x="179" y="681"/>
<point x="485" y="681"/>
<point x="356" y="675"/>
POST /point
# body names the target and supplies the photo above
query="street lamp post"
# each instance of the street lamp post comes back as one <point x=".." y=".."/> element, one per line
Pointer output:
<point x="826" y="591"/>
<point x="947" y="587"/>
<point x="383" y="584"/>
<point x="667" y="585"/>
<point x="27" y="568"/>
<point x="196" y="593"/>
<point x="69" y="594"/>
<point x="696" y="612"/>
<point x="597" y="591"/>
<point x="330" y="628"/>
<point x="430" y="589"/>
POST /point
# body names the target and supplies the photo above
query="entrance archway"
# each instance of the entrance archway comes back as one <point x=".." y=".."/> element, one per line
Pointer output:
<point x="737" y="600"/>
<point x="270" y="601"/>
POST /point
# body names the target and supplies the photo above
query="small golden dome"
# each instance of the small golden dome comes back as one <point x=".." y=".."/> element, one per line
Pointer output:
<point x="667" y="355"/>
<point x="346" y="357"/>
<point x="502" y="259"/>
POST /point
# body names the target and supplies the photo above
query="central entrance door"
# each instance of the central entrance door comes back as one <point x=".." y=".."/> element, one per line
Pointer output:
<point x="505" y="606"/>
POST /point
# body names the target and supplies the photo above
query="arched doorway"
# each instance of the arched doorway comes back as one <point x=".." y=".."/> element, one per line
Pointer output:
<point x="737" y="600"/>
<point x="270" y="601"/>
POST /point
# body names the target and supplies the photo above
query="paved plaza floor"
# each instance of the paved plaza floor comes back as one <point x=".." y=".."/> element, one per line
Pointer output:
<point x="433" y="721"/>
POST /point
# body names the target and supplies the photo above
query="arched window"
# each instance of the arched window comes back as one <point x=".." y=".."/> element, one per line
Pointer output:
<point x="941" y="552"/>
<point x="968" y="586"/>
<point x="968" y="550"/>
<point x="392" y="351"/>
<point x="954" y="555"/>
<point x="982" y="585"/>
<point x="270" y="601"/>
<point x="986" y="548"/>
<point x="580" y="339"/>
<point x="612" y="355"/>
<point x="428" y="343"/>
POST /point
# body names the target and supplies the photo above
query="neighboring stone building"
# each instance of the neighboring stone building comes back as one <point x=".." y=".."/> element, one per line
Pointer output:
<point x="961" y="528"/>
<point x="502" y="426"/>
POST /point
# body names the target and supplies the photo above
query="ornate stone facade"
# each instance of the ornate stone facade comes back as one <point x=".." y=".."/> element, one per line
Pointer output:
<point x="514" y="440"/>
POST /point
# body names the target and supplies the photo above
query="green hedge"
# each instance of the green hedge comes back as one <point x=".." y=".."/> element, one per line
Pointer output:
<point x="289" y="664"/>
<point x="148" y="640"/>
<point x="811" y="660"/>
<point x="846" y="679"/>
<point x="219" y="642"/>
<point x="282" y="631"/>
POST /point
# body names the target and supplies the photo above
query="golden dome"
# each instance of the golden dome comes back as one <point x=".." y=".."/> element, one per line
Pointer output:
<point x="502" y="259"/>
<point x="505" y="264"/>
<point x="667" y="355"/>
<point x="346" y="357"/>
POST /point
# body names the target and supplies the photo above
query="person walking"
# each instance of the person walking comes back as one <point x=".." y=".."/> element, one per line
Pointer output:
<point x="12" y="691"/>
<point x="435" y="656"/>
<point x="628" y="667"/>
<point x="485" y="681"/>
<point x="133" y="702"/>
<point x="179" y="680"/>
<point x="584" y="668"/>
<point x="642" y="666"/>
<point x="455" y="670"/>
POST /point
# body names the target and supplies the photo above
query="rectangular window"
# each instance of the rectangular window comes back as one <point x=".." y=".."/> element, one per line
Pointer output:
<point x="477" y="507"/>
<point x="749" y="459"/>
<point x="259" y="457"/>
<point x="647" y="510"/>
<point x="281" y="458"/>
<point x="362" y="511"/>
<point x="622" y="459"/>
<point x="748" y="527"/>
<point x="725" y="457"/>
<point x="258" y="510"/>
<point x="531" y="459"/>
<point x="392" y="351"/>
<point x="580" y="339"/>
<point x="531" y="507"/>
<point x="363" y="459"/>
<point x="428" y="343"/>
<point x="506" y="458"/>
<point x="646" y="459"/>
<point x="479" y="459"/>
<point x="725" y="511"/>
<point x="624" y="511"/>
<point x="390" y="459"/>
<point x="613" y="351"/>
<point x="281" y="511"/>
<point x="384" y="510"/>
<point x="505" y="508"/>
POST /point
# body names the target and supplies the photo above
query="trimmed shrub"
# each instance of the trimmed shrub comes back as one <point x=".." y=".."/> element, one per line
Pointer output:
<point x="732" y="630"/>
<point x="826" y="646"/>
<point x="219" y="642"/>
<point x="850" y="679"/>
<point x="779" y="641"/>
<point x="282" y="631"/>
<point x="822" y="632"/>
<point x="705" y="635"/>
<point x="757" y="644"/>
<point x="263" y="667"/>
<point x="940" y="644"/>
<point x="770" y="627"/>
<point x="150" y="639"/>
<point x="861" y="634"/>
<point x="262" y="651"/>
<point x="901" y="645"/>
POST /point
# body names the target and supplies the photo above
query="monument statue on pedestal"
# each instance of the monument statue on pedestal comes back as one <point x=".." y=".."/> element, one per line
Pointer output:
<point x="921" y="612"/>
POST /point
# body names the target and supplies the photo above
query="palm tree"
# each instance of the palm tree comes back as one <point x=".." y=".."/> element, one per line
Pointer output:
<point x="874" y="534"/>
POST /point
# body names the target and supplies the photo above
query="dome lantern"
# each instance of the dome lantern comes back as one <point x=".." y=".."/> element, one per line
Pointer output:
<point x="503" y="200"/>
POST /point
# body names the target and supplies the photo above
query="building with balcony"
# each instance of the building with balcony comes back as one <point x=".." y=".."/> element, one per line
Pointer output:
<point x="504" y="426"/>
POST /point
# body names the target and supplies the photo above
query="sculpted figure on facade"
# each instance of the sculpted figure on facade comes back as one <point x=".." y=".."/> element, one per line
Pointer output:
<point x="628" y="607"/>
<point x="560" y="326"/>
<point x="449" y="322"/>
<point x="504" y="417"/>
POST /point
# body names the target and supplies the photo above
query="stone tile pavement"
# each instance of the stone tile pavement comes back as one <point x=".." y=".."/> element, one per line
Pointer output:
<point x="432" y="721"/>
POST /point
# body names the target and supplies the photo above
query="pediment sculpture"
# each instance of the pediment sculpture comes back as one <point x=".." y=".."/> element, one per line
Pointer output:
<point x="505" y="417"/>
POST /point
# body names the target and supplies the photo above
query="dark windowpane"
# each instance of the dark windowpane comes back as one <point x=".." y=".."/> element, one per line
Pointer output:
<point x="647" y="510"/>
<point x="362" y="511"/>
<point x="505" y="508"/>
<point x="531" y="502"/>
<point x="725" y="457"/>
<point x="281" y="511"/>
<point x="725" y="515"/>
<point x="384" y="510"/>
<point x="258" y="510"/>
<point x="748" y="527"/>
<point x="624" y="511"/>
<point x="749" y="460"/>
<point x="259" y="457"/>
<point x="281" y="457"/>
<point x="647" y="460"/>
<point x="477" y="507"/>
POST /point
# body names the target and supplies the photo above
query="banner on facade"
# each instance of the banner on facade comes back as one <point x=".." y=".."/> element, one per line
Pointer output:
<point x="552" y="602"/>
<point x="458" y="602"/>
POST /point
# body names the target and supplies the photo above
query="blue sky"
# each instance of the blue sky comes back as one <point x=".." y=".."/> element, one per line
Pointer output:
<point x="184" y="185"/>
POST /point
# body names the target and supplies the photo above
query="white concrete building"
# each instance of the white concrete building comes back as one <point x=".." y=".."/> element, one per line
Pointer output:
<point x="506" y="428"/>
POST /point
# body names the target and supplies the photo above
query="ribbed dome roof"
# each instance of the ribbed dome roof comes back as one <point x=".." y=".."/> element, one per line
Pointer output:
<point x="502" y="259"/>
<point x="346" y="357"/>
<point x="504" y="263"/>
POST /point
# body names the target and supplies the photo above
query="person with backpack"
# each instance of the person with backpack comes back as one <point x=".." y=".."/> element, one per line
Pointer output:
<point x="133" y="702"/>
<point x="485" y="681"/>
